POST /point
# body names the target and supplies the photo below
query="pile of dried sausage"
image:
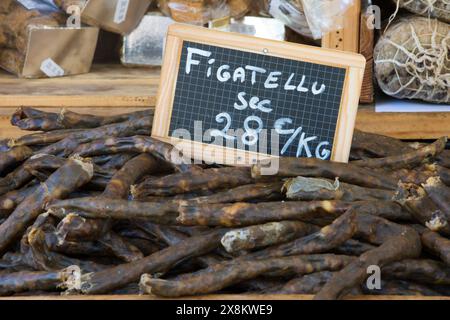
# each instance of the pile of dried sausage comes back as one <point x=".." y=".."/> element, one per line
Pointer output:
<point x="94" y="205"/>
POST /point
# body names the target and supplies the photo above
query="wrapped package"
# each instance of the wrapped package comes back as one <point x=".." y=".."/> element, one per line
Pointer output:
<point x="189" y="11"/>
<point x="291" y="13"/>
<point x="198" y="12"/>
<point x="412" y="60"/>
<point x="311" y="18"/>
<point x="267" y="28"/>
<point x="145" y="45"/>
<point x="118" y="16"/>
<point x="439" y="9"/>
<point x="325" y="16"/>
<point x="26" y="51"/>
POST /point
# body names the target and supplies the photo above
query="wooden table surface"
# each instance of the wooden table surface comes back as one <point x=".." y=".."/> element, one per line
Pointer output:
<point x="111" y="88"/>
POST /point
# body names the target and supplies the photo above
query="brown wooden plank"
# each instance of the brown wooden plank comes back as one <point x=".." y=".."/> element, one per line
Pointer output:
<point x="428" y="125"/>
<point x="104" y="86"/>
<point x="220" y="297"/>
<point x="366" y="44"/>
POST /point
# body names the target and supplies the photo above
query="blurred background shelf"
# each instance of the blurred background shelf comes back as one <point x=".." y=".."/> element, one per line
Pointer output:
<point x="110" y="88"/>
<point x="404" y="125"/>
<point x="107" y="85"/>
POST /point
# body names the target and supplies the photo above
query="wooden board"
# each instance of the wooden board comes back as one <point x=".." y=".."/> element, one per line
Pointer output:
<point x="241" y="297"/>
<point x="344" y="68"/>
<point x="105" y="86"/>
<point x="366" y="45"/>
<point x="401" y="125"/>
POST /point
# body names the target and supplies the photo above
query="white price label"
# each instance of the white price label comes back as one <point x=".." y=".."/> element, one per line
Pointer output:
<point x="121" y="11"/>
<point x="51" y="68"/>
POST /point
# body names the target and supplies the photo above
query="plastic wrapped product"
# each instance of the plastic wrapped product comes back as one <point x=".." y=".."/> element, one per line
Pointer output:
<point x="145" y="45"/>
<point x="325" y="16"/>
<point x="267" y="28"/>
<point x="24" y="32"/>
<point x="311" y="18"/>
<point x="198" y="12"/>
<point x="118" y="16"/>
<point x="411" y="60"/>
<point x="40" y="5"/>
<point x="192" y="12"/>
<point x="291" y="13"/>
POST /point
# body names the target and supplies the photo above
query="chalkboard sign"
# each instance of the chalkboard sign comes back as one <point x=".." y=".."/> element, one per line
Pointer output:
<point x="234" y="99"/>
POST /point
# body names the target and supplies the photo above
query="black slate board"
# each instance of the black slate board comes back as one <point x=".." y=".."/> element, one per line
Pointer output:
<point x="201" y="98"/>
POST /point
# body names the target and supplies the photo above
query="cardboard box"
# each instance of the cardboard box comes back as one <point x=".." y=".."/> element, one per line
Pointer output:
<point x="118" y="16"/>
<point x="70" y="52"/>
<point x="36" y="43"/>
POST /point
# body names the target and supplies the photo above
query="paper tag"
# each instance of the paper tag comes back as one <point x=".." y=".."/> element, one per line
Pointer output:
<point x="121" y="11"/>
<point x="51" y="68"/>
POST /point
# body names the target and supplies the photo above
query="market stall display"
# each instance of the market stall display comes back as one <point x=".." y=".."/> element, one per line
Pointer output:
<point x="101" y="199"/>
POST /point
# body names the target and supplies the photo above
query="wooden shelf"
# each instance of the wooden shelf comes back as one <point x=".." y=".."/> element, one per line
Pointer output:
<point x="401" y="125"/>
<point x="104" y="86"/>
<point x="110" y="88"/>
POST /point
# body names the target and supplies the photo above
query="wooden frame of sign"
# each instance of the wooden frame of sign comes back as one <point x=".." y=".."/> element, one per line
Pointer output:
<point x="177" y="34"/>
